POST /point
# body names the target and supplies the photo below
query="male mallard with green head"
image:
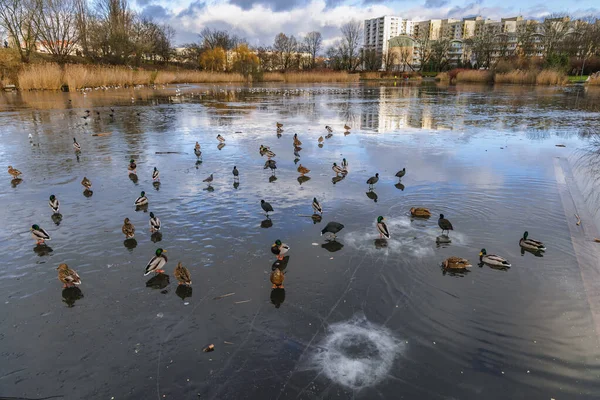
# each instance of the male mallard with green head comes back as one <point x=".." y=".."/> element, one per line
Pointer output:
<point x="531" y="244"/>
<point x="39" y="234"/>
<point x="279" y="249"/>
<point x="142" y="200"/>
<point x="54" y="204"/>
<point x="156" y="263"/>
<point x="382" y="228"/>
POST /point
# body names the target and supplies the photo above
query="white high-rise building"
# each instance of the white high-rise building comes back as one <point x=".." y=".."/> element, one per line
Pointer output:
<point x="378" y="31"/>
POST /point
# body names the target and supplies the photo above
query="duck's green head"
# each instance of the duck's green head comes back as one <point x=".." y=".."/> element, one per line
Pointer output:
<point x="74" y="140"/>
<point x="131" y="161"/>
<point x="155" y="168"/>
<point x="525" y="235"/>
<point x="52" y="197"/>
<point x="482" y="252"/>
<point x="344" y="160"/>
<point x="334" y="164"/>
<point x="142" y="194"/>
<point x="151" y="215"/>
<point x="278" y="242"/>
<point x="159" y="252"/>
<point x="35" y="227"/>
<point x="314" y="199"/>
<point x="379" y="219"/>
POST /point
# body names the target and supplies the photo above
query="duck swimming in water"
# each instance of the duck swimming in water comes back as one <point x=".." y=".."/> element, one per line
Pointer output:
<point x="493" y="260"/>
<point x="154" y="223"/>
<point x="531" y="244"/>
<point x="128" y="229"/>
<point x="142" y="200"/>
<point x="155" y="175"/>
<point x="456" y="263"/>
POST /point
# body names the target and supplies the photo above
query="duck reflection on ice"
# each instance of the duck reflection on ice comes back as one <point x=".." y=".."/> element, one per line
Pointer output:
<point x="281" y="264"/>
<point x="198" y="163"/>
<point x="57" y="218"/>
<point x="158" y="281"/>
<point x="143" y="208"/>
<point x="130" y="244"/>
<point x="156" y="185"/>
<point x="209" y="189"/>
<point x="535" y="253"/>
<point x="183" y="291"/>
<point x="267" y="223"/>
<point x="156" y="237"/>
<point x="443" y="241"/>
<point x="220" y="146"/>
<point x="16" y="182"/>
<point x="133" y="178"/>
<point x="302" y="179"/>
<point x="272" y="178"/>
<point x="332" y="246"/>
<point x="88" y="193"/>
<point x="70" y="295"/>
<point x="381" y="243"/>
<point x="316" y="218"/>
<point x="42" y="250"/>
<point x="337" y="179"/>
<point x="236" y="184"/>
<point x="399" y="186"/>
<point x="372" y="195"/>
<point x="277" y="297"/>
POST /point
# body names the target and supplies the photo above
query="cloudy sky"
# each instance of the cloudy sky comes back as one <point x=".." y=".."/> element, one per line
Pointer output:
<point x="260" y="20"/>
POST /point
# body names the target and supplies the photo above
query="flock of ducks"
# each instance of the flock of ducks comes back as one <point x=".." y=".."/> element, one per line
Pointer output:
<point x="70" y="278"/>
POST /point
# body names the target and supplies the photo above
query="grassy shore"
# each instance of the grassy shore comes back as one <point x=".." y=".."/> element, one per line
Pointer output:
<point x="49" y="76"/>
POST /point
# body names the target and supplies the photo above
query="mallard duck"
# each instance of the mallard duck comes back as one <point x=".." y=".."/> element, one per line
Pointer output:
<point x="156" y="263"/>
<point x="493" y="260"/>
<point x="266" y="207"/>
<point x="328" y="128"/>
<point x="182" y="275"/>
<point x="382" y="228"/>
<point x="142" y="200"/>
<point x="338" y="170"/>
<point x="277" y="279"/>
<point x="266" y="151"/>
<point x="297" y="142"/>
<point x="197" y="146"/>
<point x="14" y="172"/>
<point x="316" y="206"/>
<point x="303" y="170"/>
<point x="456" y="263"/>
<point x="54" y="204"/>
<point x="220" y="138"/>
<point x="39" y="234"/>
<point x="155" y="174"/>
<point x="329" y="136"/>
<point x="279" y="249"/>
<point x="333" y="228"/>
<point x="209" y="179"/>
<point x="344" y="164"/>
<point x="236" y="173"/>
<point x="346" y="127"/>
<point x="76" y="145"/>
<point x="420" y="212"/>
<point x="132" y="168"/>
<point x="68" y="276"/>
<point x="263" y="149"/>
<point x="445" y="224"/>
<point x="279" y="126"/>
<point x="128" y="229"/>
<point x="198" y="153"/>
<point x="321" y="139"/>
<point x="531" y="244"/>
<point x="401" y="173"/>
<point x="154" y="223"/>
<point x="86" y="183"/>
<point x="373" y="180"/>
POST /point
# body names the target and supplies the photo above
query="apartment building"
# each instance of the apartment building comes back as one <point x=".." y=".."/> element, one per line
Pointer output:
<point x="378" y="31"/>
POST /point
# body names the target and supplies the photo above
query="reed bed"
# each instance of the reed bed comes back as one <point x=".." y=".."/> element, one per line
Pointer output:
<point x="166" y="77"/>
<point x="551" y="77"/>
<point x="478" y="76"/>
<point x="442" y="77"/>
<point x="594" y="81"/>
<point x="517" y="77"/>
<point x="310" y="77"/>
<point x="40" y="76"/>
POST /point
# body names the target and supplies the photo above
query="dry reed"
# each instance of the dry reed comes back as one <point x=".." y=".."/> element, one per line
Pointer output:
<point x="551" y="77"/>
<point x="442" y="77"/>
<point x="310" y="77"/>
<point x="479" y="76"/>
<point x="166" y="77"/>
<point x="516" y="77"/>
<point x="594" y="81"/>
<point x="40" y="76"/>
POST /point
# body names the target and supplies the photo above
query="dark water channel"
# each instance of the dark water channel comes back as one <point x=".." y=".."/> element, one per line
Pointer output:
<point x="358" y="318"/>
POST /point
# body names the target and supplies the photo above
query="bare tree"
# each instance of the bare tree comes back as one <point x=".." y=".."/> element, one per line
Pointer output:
<point x="285" y="47"/>
<point x="405" y="58"/>
<point x="350" y="45"/>
<point x="390" y="60"/>
<point x="56" y="24"/>
<point x="212" y="38"/>
<point x="482" y="47"/>
<point x="527" y="34"/>
<point x="312" y="44"/>
<point x="439" y="53"/>
<point x="555" y="28"/>
<point x="371" y="60"/>
<point x="17" y="17"/>
<point x="423" y="45"/>
<point x="583" y="41"/>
